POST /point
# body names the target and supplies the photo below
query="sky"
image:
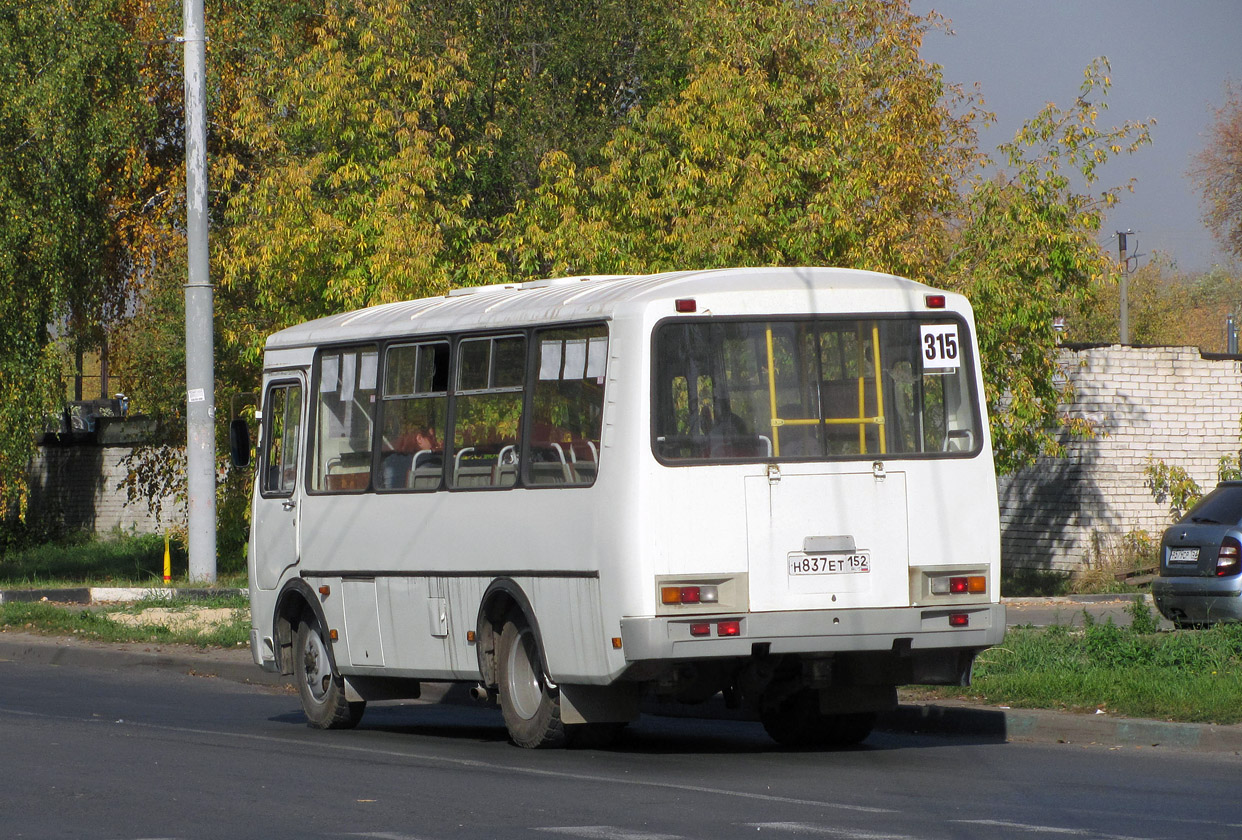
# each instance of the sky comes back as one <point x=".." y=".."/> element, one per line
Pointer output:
<point x="1170" y="61"/>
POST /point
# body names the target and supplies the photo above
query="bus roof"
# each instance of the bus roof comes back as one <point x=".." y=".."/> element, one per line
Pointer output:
<point x="731" y="291"/>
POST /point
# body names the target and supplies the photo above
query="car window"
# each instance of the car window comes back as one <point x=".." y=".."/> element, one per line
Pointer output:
<point x="1222" y="505"/>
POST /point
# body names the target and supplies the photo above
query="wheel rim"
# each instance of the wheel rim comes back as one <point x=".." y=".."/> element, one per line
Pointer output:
<point x="315" y="663"/>
<point x="525" y="685"/>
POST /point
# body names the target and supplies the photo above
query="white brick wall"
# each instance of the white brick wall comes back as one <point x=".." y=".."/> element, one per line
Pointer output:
<point x="76" y="488"/>
<point x="1162" y="403"/>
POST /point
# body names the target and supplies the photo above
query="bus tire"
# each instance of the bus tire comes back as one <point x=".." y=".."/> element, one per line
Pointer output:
<point x="321" y="689"/>
<point x="531" y="709"/>
<point x="796" y="721"/>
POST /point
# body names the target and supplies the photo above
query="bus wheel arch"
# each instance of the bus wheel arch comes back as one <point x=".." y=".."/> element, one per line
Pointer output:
<point x="296" y="599"/>
<point x="306" y="653"/>
<point x="502" y="599"/>
<point x="513" y="661"/>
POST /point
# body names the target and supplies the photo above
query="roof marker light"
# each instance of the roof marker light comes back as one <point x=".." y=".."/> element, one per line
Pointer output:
<point x="934" y="301"/>
<point x="686" y="305"/>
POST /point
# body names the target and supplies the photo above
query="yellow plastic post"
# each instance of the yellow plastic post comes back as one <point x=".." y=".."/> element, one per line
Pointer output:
<point x="167" y="562"/>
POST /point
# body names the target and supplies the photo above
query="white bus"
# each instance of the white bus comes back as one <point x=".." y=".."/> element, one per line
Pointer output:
<point x="574" y="494"/>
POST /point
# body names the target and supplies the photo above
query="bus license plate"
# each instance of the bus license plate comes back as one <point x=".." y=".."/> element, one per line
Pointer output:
<point x="830" y="564"/>
<point x="1183" y="555"/>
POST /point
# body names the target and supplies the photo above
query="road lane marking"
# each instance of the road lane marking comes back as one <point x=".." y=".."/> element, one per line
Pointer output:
<point x="827" y="831"/>
<point x="606" y="832"/>
<point x="1050" y="829"/>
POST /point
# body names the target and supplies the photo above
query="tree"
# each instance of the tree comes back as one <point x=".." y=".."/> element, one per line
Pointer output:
<point x="808" y="133"/>
<point x="783" y="148"/>
<point x="1218" y="172"/>
<point x="69" y="118"/>
<point x="1026" y="252"/>
<point x="368" y="150"/>
<point x="1167" y="307"/>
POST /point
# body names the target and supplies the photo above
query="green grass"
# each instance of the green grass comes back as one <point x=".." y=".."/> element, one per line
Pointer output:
<point x="1186" y="675"/>
<point x="99" y="624"/>
<point x="87" y="561"/>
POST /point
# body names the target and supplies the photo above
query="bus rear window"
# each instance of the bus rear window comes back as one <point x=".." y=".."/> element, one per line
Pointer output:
<point x="807" y="390"/>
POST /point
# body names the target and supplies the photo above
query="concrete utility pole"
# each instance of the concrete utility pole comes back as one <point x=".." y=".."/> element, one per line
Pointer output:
<point x="199" y="357"/>
<point x="1125" y="288"/>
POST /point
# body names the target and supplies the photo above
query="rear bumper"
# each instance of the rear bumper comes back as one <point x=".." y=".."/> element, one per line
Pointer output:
<point x="1199" y="600"/>
<point x="814" y="631"/>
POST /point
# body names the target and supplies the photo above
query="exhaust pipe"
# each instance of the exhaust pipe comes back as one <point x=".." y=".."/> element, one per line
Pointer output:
<point x="479" y="692"/>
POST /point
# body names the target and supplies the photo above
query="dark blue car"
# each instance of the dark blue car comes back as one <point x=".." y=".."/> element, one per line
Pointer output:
<point x="1200" y="578"/>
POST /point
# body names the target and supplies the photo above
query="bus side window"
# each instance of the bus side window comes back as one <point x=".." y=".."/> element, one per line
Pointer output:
<point x="415" y="403"/>
<point x="491" y="373"/>
<point x="568" y="406"/>
<point x="345" y="417"/>
<point x="282" y="414"/>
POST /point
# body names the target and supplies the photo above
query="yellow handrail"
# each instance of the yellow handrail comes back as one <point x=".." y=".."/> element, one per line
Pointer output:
<point x="862" y="419"/>
<point x="776" y="421"/>
<point x="879" y="390"/>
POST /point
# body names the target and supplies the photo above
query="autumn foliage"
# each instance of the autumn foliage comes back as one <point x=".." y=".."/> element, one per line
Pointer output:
<point x="364" y="151"/>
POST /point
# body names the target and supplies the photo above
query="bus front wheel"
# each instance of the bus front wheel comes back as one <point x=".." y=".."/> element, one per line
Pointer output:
<point x="532" y="709"/>
<point x="322" y="691"/>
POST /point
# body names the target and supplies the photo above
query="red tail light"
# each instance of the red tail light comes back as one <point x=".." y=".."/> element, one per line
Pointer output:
<point x="729" y="628"/>
<point x="959" y="620"/>
<point x="1229" y="558"/>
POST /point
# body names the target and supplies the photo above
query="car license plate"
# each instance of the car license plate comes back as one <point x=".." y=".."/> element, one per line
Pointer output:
<point x="830" y="564"/>
<point x="1183" y="555"/>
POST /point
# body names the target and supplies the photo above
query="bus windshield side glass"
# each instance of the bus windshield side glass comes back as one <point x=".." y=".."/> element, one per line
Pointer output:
<point x="809" y="390"/>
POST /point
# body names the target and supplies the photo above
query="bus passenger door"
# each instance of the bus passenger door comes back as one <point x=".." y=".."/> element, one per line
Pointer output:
<point x="275" y="531"/>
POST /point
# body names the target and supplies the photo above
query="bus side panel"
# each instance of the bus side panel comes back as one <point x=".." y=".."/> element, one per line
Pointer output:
<point x="416" y="626"/>
<point x="574" y="639"/>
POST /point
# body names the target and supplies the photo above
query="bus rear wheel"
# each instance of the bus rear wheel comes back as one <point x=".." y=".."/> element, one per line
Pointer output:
<point x="796" y="721"/>
<point x="321" y="690"/>
<point x="531" y="708"/>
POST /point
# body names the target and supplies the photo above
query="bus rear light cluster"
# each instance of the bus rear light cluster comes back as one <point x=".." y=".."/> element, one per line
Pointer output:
<point x="702" y="594"/>
<point x="964" y="585"/>
<point x="733" y="627"/>
<point x="1229" y="558"/>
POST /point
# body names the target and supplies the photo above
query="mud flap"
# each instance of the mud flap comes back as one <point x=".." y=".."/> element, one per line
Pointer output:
<point x="616" y="703"/>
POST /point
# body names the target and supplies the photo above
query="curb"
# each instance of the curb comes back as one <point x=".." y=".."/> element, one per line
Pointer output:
<point x="231" y="665"/>
<point x="1049" y="727"/>
<point x="948" y="718"/>
<point x="1058" y="600"/>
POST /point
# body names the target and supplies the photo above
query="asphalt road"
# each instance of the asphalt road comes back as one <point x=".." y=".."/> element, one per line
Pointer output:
<point x="122" y="753"/>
